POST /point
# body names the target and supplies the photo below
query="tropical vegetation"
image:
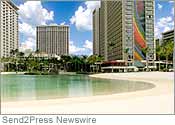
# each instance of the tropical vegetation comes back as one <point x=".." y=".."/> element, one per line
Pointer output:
<point x="165" y="52"/>
<point x="34" y="63"/>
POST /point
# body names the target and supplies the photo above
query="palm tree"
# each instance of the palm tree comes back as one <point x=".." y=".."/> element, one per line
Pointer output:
<point x="12" y="52"/>
<point x="100" y="59"/>
<point x="65" y="59"/>
<point x="28" y="62"/>
<point x="77" y="62"/>
<point x="94" y="59"/>
<point x="91" y="60"/>
<point x="167" y="51"/>
<point x="37" y="52"/>
<point x="145" y="52"/>
<point x="20" y="59"/>
<point x="21" y="54"/>
<point x="159" y="53"/>
<point x="6" y="61"/>
<point x="84" y="61"/>
<point x="16" y="52"/>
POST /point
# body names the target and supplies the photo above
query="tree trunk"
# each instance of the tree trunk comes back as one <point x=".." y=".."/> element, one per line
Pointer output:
<point x="147" y="69"/>
<point x="85" y="68"/>
<point x="166" y="63"/>
<point x="96" y="68"/>
<point x="159" y="62"/>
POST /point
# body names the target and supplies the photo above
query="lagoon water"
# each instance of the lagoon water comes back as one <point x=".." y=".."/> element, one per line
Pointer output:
<point x="43" y="87"/>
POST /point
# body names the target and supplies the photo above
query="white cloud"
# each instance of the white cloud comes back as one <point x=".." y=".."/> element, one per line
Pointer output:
<point x="85" y="49"/>
<point x="171" y="1"/>
<point x="53" y="24"/>
<point x="88" y="45"/>
<point x="83" y="16"/>
<point x="63" y="23"/>
<point x="163" y="24"/>
<point x="30" y="43"/>
<point x="165" y="21"/>
<point x="172" y="11"/>
<point x="73" y="49"/>
<point x="159" y="6"/>
<point x="157" y="32"/>
<point x="32" y="12"/>
<point x="27" y="30"/>
<point x="166" y="29"/>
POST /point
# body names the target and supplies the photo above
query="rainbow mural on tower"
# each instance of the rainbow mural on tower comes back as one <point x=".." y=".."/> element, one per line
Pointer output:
<point x="139" y="29"/>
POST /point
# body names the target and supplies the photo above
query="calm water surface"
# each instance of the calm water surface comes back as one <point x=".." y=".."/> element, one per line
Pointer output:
<point x="31" y="87"/>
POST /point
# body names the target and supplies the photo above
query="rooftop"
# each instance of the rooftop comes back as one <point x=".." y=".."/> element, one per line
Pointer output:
<point x="53" y="26"/>
<point x="12" y="4"/>
<point x="170" y="31"/>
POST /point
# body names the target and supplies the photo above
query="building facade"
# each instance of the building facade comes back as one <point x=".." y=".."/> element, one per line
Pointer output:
<point x="103" y="30"/>
<point x="144" y="30"/>
<point x="8" y="28"/>
<point x="53" y="39"/>
<point x="114" y="30"/>
<point x="96" y="31"/>
<point x="168" y="36"/>
<point x="126" y="29"/>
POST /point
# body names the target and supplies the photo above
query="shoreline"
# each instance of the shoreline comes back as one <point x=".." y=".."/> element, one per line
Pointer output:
<point x="161" y="98"/>
<point x="12" y="73"/>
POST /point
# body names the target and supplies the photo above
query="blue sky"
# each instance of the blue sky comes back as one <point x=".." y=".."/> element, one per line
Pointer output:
<point x="78" y="15"/>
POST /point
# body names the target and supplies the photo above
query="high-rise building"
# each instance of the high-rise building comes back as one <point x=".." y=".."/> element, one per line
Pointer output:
<point x="8" y="28"/>
<point x="144" y="29"/>
<point x="114" y="30"/>
<point x="126" y="29"/>
<point x="103" y="30"/>
<point x="96" y="31"/>
<point x="168" y="36"/>
<point x="53" y="39"/>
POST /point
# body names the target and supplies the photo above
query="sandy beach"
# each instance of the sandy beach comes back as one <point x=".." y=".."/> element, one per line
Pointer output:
<point x="158" y="100"/>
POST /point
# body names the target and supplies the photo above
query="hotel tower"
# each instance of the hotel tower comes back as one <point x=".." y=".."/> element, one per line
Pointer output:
<point x="96" y="31"/>
<point x="53" y="39"/>
<point x="126" y="29"/>
<point x="8" y="28"/>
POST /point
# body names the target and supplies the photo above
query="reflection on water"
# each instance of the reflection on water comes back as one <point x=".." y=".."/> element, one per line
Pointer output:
<point x="30" y="87"/>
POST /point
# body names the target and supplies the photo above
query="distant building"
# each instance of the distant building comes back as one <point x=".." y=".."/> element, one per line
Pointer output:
<point x="8" y="28"/>
<point x="126" y="24"/>
<point x="96" y="31"/>
<point x="53" y="39"/>
<point x="158" y="42"/>
<point x="168" y="36"/>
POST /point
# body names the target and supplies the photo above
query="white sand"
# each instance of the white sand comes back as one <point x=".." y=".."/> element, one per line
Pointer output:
<point x="159" y="99"/>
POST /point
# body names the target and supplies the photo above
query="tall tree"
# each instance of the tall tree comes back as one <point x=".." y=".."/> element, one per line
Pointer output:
<point x="100" y="59"/>
<point x="12" y="52"/>
<point x="158" y="53"/>
<point x="167" y="51"/>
